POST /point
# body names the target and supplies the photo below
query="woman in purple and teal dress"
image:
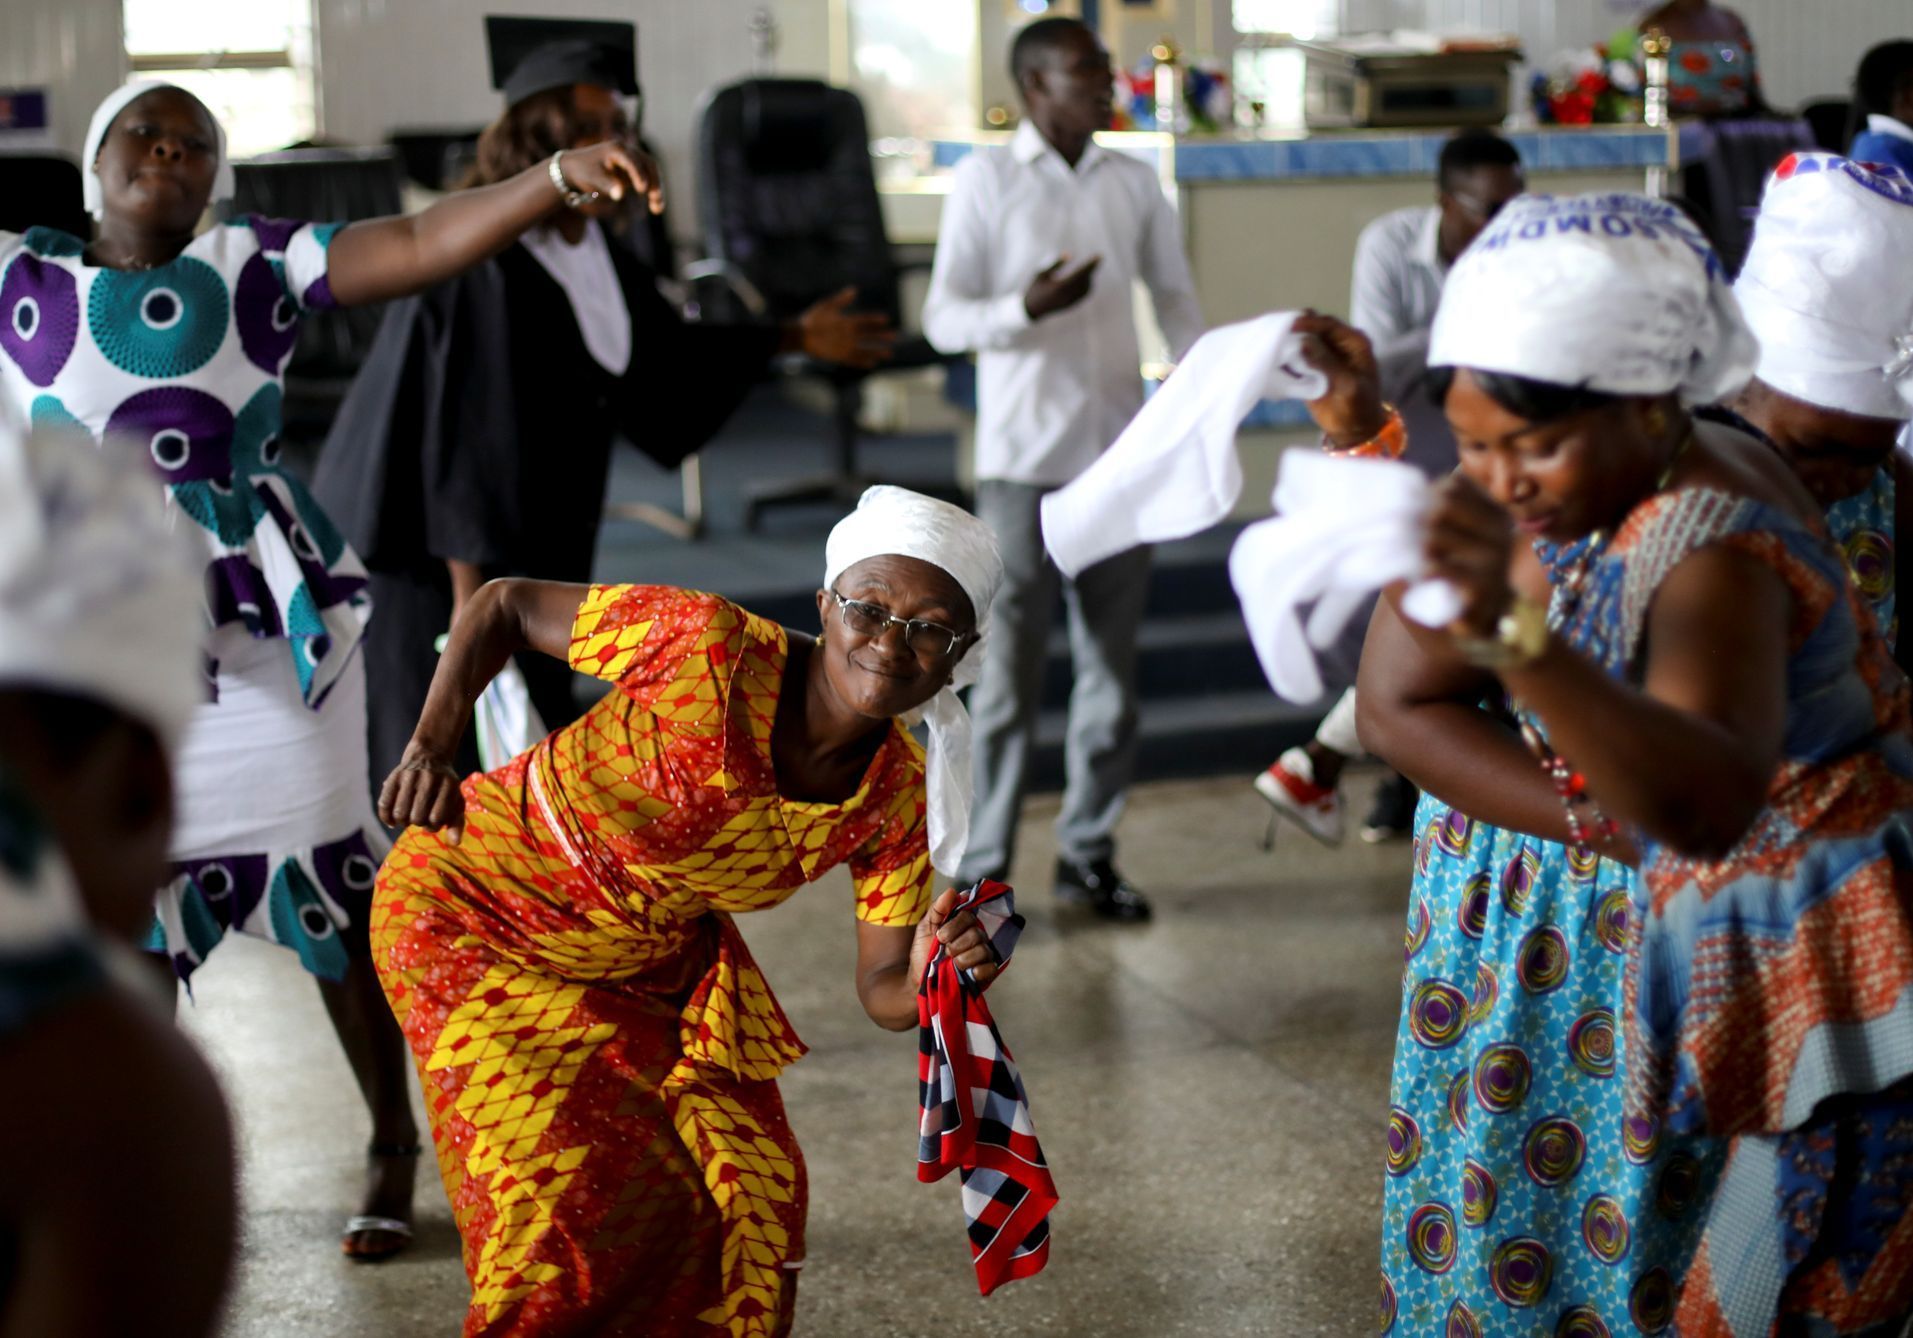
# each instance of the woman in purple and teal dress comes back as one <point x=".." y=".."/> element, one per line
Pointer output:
<point x="176" y="339"/>
<point x="1544" y="1177"/>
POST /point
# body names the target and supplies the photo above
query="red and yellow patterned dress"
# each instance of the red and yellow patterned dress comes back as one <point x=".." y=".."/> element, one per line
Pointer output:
<point x="599" y="1053"/>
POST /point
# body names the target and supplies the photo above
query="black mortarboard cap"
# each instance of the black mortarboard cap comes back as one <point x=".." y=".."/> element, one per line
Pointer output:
<point x="532" y="55"/>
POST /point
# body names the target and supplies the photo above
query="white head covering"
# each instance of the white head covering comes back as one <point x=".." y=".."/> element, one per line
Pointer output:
<point x="1618" y="293"/>
<point x="99" y="597"/>
<point x="896" y="521"/>
<point x="102" y="121"/>
<point x="1828" y="285"/>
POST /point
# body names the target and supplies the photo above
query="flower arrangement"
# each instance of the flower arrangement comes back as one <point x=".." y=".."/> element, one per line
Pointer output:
<point x="1208" y="102"/>
<point x="1589" y="86"/>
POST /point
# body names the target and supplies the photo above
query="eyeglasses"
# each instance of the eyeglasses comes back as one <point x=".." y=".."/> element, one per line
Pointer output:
<point x="873" y="620"/>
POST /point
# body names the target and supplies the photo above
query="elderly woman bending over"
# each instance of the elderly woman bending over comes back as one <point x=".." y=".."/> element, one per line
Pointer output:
<point x="599" y="1052"/>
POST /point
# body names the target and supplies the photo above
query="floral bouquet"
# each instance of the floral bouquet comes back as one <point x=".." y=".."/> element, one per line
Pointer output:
<point x="1589" y="86"/>
<point x="1208" y="102"/>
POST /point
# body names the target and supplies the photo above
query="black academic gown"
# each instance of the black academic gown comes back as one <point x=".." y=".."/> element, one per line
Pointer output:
<point x="480" y="429"/>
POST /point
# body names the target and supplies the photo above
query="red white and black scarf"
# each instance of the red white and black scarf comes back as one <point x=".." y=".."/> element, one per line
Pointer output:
<point x="974" y="1115"/>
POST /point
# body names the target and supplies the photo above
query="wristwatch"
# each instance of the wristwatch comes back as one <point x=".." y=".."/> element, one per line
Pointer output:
<point x="1520" y="636"/>
<point x="573" y="197"/>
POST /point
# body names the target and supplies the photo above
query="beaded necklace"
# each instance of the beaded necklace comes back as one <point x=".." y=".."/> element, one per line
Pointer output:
<point x="1575" y="562"/>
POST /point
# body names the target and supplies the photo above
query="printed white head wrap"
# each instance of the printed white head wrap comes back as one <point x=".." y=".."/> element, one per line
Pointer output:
<point x="1617" y="293"/>
<point x="99" y="596"/>
<point x="103" y="117"/>
<point x="1828" y="285"/>
<point x="896" y="521"/>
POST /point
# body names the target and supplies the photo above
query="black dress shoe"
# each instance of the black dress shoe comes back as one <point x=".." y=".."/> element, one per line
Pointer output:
<point x="1097" y="885"/>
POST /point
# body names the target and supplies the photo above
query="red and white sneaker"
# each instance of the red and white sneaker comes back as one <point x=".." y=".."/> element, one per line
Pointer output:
<point x="1289" y="786"/>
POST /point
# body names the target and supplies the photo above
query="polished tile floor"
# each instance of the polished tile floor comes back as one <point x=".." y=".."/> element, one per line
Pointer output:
<point x="1211" y="1091"/>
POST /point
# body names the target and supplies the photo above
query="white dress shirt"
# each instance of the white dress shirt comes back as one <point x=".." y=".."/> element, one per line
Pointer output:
<point x="1392" y="299"/>
<point x="1053" y="393"/>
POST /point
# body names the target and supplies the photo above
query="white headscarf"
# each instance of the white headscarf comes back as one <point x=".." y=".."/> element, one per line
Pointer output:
<point x="896" y="521"/>
<point x="1828" y="285"/>
<point x="99" y="597"/>
<point x="103" y="118"/>
<point x="1617" y="293"/>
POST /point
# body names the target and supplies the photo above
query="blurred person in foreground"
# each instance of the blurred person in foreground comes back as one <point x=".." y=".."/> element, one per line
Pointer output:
<point x="117" y="1200"/>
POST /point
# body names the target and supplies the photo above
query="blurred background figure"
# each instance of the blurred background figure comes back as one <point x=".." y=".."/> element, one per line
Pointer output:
<point x="477" y="442"/>
<point x="1401" y="260"/>
<point x="1041" y="242"/>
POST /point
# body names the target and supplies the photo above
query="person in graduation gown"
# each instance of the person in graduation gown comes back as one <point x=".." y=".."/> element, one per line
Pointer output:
<point x="476" y="442"/>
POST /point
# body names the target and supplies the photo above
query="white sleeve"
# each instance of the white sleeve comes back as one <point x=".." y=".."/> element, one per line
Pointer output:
<point x="1378" y="307"/>
<point x="961" y="314"/>
<point x="1165" y="269"/>
<point x="306" y="262"/>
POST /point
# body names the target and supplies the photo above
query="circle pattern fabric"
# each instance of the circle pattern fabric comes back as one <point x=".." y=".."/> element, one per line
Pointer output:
<point x="267" y="320"/>
<point x="39" y="317"/>
<point x="161" y="323"/>
<point x="1518" y="1115"/>
<point x="186" y="432"/>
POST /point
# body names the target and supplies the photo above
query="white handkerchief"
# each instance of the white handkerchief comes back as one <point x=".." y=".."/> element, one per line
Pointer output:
<point x="1346" y="527"/>
<point x="1173" y="472"/>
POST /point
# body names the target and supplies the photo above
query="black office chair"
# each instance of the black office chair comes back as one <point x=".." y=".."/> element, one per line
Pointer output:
<point x="42" y="190"/>
<point x="787" y="201"/>
<point x="435" y="158"/>
<point x="1831" y="120"/>
<point x="323" y="185"/>
<point x="1727" y="182"/>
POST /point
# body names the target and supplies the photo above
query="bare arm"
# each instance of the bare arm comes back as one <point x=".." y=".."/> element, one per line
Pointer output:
<point x="501" y="619"/>
<point x="1417" y="707"/>
<point x="384" y="258"/>
<point x="1688" y="756"/>
<point x="891" y="960"/>
<point x="120" y="1194"/>
<point x="466" y="578"/>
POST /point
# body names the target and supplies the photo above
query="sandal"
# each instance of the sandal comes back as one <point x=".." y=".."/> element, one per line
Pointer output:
<point x="398" y="1228"/>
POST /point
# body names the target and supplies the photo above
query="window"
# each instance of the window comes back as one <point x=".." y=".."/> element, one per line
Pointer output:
<point x="914" y="66"/>
<point x="1306" y="19"/>
<point x="1269" y="72"/>
<point x="250" y="61"/>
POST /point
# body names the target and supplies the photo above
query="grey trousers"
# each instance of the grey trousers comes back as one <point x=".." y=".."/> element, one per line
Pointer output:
<point x="1105" y="608"/>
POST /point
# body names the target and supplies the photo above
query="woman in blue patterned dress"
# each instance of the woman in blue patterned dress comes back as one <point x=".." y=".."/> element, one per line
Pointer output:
<point x="1724" y="603"/>
<point x="177" y="340"/>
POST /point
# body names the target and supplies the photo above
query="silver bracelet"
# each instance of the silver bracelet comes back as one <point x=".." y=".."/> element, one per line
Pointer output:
<point x="573" y="197"/>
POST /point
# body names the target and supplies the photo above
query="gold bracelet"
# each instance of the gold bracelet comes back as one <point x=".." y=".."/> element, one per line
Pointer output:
<point x="1520" y="637"/>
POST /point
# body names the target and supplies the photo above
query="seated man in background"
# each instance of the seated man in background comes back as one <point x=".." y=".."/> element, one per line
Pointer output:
<point x="1401" y="261"/>
<point x="116" y="1187"/>
<point x="1041" y="244"/>
<point x="1883" y="91"/>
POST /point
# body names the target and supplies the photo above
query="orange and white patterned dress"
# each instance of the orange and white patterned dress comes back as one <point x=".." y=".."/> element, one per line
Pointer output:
<point x="598" y="1051"/>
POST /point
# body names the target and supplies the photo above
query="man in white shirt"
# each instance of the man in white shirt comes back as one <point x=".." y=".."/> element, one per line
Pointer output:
<point x="1041" y="244"/>
<point x="1401" y="262"/>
